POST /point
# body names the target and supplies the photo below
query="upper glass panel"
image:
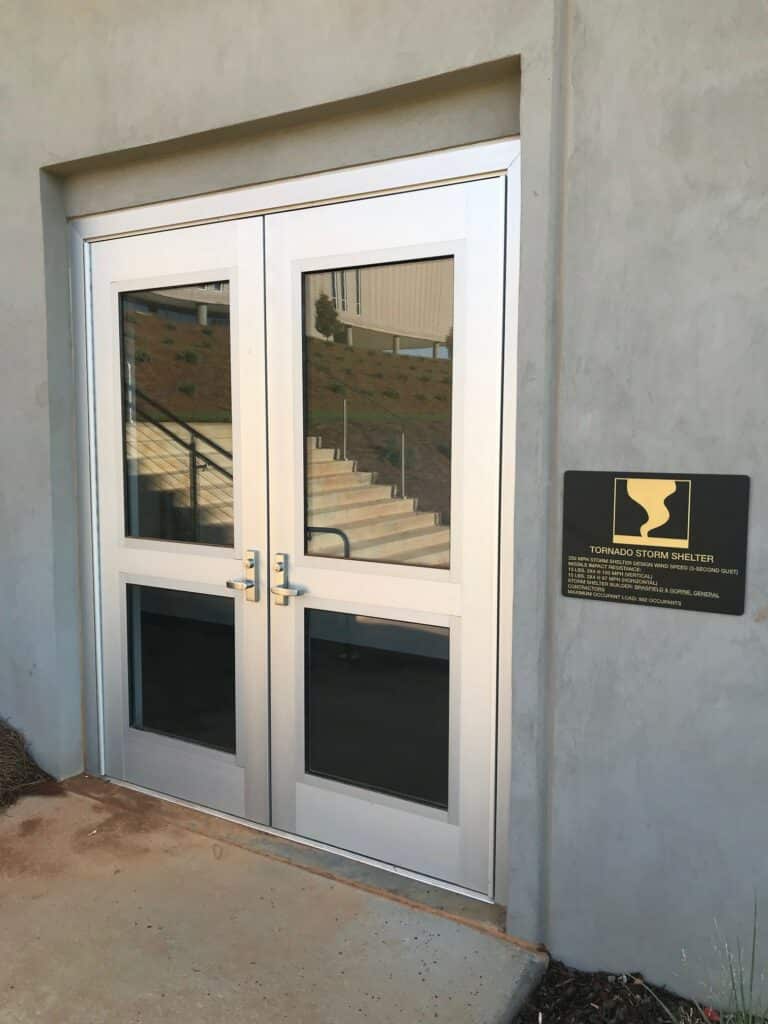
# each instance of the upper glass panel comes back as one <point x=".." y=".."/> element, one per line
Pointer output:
<point x="177" y="413"/>
<point x="378" y="355"/>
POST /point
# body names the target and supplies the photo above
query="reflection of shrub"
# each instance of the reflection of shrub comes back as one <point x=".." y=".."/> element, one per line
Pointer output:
<point x="444" y="449"/>
<point x="130" y="318"/>
<point x="207" y="330"/>
<point x="390" y="393"/>
<point x="379" y="375"/>
<point x="421" y="397"/>
<point x="187" y="389"/>
<point x="188" y="356"/>
<point x="140" y="356"/>
<point x="389" y="453"/>
<point x="167" y="341"/>
<point x="337" y="387"/>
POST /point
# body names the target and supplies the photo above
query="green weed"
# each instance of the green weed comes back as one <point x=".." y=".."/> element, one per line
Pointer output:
<point x="740" y="999"/>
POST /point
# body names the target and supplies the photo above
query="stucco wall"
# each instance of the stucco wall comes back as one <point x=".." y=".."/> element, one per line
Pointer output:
<point x="659" y="753"/>
<point x="638" y="751"/>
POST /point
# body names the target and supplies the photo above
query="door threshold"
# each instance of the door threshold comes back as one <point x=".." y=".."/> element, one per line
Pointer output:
<point x="389" y="880"/>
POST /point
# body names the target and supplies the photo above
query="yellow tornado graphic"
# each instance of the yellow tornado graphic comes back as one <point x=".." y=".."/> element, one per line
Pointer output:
<point x="651" y="495"/>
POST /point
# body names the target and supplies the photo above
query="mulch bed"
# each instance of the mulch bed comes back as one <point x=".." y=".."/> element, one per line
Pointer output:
<point x="18" y="769"/>
<point x="567" y="996"/>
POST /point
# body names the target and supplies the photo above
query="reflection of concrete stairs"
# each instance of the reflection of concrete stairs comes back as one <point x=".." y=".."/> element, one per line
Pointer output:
<point x="380" y="527"/>
<point x="160" y="469"/>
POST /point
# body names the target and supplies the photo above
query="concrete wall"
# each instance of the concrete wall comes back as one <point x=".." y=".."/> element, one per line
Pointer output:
<point x="638" y="749"/>
<point x="659" y="718"/>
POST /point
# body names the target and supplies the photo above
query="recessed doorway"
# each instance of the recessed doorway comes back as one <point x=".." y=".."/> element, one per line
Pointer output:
<point x="297" y="447"/>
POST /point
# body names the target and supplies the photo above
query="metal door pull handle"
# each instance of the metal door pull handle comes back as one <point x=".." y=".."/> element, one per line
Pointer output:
<point x="280" y="588"/>
<point x="249" y="582"/>
<point x="240" y="584"/>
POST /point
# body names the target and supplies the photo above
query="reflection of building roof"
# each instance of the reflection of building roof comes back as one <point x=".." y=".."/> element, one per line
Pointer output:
<point x="187" y="297"/>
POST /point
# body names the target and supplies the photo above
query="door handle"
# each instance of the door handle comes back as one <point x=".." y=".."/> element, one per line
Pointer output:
<point x="240" y="584"/>
<point x="281" y="589"/>
<point x="249" y="582"/>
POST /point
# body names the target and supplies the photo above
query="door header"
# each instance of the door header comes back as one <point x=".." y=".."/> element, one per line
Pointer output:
<point x="487" y="159"/>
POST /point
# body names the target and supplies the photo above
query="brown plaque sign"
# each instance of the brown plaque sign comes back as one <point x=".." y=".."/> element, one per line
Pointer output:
<point x="656" y="539"/>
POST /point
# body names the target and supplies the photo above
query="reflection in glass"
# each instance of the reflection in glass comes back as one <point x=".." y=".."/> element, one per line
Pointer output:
<point x="378" y="354"/>
<point x="177" y="413"/>
<point x="181" y="665"/>
<point x="377" y="695"/>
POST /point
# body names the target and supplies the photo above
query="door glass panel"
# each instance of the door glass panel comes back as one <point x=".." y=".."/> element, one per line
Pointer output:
<point x="378" y="356"/>
<point x="177" y="413"/>
<point x="181" y="665"/>
<point x="376" y="704"/>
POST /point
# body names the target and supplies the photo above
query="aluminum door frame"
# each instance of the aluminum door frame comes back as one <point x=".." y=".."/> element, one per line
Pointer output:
<point x="498" y="157"/>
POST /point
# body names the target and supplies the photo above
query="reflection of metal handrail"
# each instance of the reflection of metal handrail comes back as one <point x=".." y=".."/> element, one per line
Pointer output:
<point x="182" y="423"/>
<point x="190" y="447"/>
<point x="194" y="456"/>
<point x="344" y="432"/>
<point x="330" y="529"/>
<point x="402" y="463"/>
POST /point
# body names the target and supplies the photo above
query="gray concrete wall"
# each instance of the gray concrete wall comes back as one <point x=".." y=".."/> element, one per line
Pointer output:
<point x="638" y="754"/>
<point x="659" y="757"/>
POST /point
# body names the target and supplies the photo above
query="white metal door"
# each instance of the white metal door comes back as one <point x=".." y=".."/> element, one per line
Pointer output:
<point x="180" y="433"/>
<point x="384" y="337"/>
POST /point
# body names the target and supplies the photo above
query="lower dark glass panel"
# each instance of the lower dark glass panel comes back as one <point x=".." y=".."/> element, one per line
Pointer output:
<point x="377" y="704"/>
<point x="182" y="665"/>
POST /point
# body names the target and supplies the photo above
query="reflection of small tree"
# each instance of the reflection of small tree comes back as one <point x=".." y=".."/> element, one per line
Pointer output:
<point x="326" y="318"/>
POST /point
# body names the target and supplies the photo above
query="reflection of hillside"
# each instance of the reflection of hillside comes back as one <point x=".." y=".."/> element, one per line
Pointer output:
<point x="182" y="365"/>
<point x="385" y="394"/>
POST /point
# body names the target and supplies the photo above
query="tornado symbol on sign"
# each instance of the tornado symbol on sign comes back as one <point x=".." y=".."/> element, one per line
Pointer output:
<point x="652" y="495"/>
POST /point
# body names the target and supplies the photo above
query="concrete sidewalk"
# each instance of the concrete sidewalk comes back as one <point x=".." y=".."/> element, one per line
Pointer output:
<point x="112" y="911"/>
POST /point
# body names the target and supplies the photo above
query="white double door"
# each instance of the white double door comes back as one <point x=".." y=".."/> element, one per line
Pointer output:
<point x="308" y="401"/>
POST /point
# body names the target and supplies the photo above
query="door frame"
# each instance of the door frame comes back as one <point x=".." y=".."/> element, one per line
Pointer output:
<point x="500" y="158"/>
